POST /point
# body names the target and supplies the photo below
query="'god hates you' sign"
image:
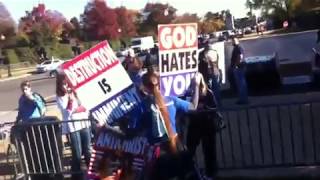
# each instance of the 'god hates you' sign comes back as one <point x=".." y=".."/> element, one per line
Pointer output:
<point x="178" y="57"/>
<point x="101" y="83"/>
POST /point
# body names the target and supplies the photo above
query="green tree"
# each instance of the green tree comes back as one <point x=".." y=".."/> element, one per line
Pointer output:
<point x="154" y="14"/>
<point x="282" y="9"/>
<point x="76" y="29"/>
<point x="212" y="22"/>
<point x="187" y="18"/>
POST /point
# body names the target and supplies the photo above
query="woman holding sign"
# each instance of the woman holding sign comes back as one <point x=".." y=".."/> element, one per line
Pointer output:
<point x="160" y="125"/>
<point x="78" y="131"/>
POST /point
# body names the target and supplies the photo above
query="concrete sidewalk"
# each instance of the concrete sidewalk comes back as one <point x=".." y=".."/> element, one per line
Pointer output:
<point x="16" y="73"/>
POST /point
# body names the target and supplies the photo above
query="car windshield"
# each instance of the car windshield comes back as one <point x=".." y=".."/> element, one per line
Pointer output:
<point x="46" y="62"/>
<point x="136" y="42"/>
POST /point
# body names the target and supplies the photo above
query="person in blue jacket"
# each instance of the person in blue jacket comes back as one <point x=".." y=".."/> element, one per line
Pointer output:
<point x="31" y="105"/>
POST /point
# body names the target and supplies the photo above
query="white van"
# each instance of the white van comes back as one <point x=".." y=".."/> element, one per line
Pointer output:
<point x="142" y="43"/>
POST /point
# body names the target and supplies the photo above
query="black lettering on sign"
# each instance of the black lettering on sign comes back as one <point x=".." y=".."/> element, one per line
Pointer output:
<point x="164" y="62"/>
<point x="174" y="64"/>
<point x="105" y="87"/>
<point x="181" y="56"/>
<point x="194" y="59"/>
<point x="188" y="60"/>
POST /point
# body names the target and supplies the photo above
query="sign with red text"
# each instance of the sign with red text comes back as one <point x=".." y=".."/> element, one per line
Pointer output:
<point x="101" y="83"/>
<point x="114" y="150"/>
<point x="178" y="57"/>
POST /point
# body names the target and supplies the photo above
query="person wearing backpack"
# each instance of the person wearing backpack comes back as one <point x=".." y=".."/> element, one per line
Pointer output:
<point x="31" y="104"/>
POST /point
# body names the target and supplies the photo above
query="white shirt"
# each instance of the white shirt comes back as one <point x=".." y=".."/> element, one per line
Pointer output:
<point x="62" y="103"/>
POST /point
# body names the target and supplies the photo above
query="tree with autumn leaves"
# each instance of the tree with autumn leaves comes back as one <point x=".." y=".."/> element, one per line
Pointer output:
<point x="7" y="27"/>
<point x="99" y="22"/>
<point x="41" y="26"/>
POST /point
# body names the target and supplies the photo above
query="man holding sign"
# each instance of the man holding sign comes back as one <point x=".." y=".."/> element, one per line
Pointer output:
<point x="178" y="57"/>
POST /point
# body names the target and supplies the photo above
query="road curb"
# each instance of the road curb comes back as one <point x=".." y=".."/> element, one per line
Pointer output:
<point x="269" y="35"/>
<point x="14" y="77"/>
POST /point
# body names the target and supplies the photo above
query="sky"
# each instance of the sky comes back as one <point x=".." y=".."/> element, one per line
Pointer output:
<point x="73" y="8"/>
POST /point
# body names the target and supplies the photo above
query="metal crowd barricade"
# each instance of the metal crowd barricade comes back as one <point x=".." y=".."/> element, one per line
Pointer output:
<point x="269" y="136"/>
<point x="41" y="148"/>
<point x="8" y="157"/>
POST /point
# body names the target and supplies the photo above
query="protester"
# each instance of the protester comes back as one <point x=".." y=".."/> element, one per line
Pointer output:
<point x="134" y="68"/>
<point x="237" y="69"/>
<point x="31" y="105"/>
<point x="202" y="127"/>
<point x="160" y="123"/>
<point x="78" y="131"/>
<point x="41" y="51"/>
<point x="129" y="58"/>
<point x="75" y="47"/>
<point x="208" y="66"/>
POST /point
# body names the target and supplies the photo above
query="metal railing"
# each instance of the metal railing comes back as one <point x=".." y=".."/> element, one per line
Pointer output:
<point x="41" y="148"/>
<point x="264" y="136"/>
<point x="275" y="135"/>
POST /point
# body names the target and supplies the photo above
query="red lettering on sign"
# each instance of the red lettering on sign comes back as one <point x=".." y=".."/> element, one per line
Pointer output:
<point x="177" y="36"/>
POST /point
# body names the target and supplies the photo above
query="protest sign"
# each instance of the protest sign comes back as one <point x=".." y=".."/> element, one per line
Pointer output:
<point x="113" y="151"/>
<point x="178" y="57"/>
<point x="101" y="83"/>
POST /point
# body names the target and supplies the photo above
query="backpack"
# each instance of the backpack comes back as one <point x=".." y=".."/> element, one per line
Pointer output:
<point x="41" y="97"/>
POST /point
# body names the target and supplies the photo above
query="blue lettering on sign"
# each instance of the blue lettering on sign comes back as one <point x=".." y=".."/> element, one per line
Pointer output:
<point x="175" y="85"/>
<point x="117" y="106"/>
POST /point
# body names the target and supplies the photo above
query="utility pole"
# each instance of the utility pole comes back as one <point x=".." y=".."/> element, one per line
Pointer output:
<point x="2" y="38"/>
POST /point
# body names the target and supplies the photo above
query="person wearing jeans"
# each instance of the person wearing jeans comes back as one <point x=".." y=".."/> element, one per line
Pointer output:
<point x="241" y="84"/>
<point x="80" y="144"/>
<point x="78" y="131"/>
<point x="237" y="68"/>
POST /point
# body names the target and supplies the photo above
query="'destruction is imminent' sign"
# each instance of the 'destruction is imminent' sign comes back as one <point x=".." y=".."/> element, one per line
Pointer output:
<point x="101" y="83"/>
<point x="178" y="57"/>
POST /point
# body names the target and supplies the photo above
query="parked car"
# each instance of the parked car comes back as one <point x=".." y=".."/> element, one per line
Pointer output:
<point x="48" y="65"/>
<point x="54" y="72"/>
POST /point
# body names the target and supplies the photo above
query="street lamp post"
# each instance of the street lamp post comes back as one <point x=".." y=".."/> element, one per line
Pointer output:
<point x="2" y="38"/>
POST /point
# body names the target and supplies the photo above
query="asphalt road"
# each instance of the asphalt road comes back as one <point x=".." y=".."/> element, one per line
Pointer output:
<point x="295" y="47"/>
<point x="10" y="90"/>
